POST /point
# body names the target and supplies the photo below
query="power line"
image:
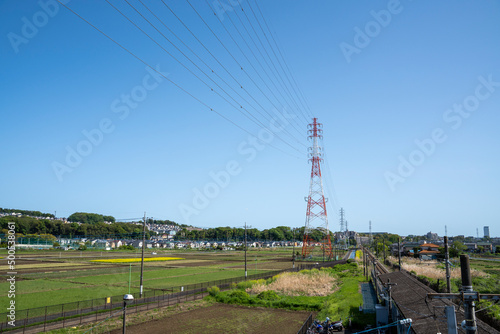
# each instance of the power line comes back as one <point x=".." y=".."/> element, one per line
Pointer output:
<point x="252" y="52"/>
<point x="279" y="61"/>
<point x="255" y="120"/>
<point x="286" y="89"/>
<point x="243" y="53"/>
<point x="283" y="58"/>
<point x="161" y="74"/>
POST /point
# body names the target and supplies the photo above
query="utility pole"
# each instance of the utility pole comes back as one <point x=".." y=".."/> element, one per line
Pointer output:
<point x="467" y="295"/>
<point x="246" y="250"/>
<point x="364" y="269"/>
<point x="142" y="257"/>
<point x="447" y="259"/>
<point x="389" y="288"/>
<point x="399" y="252"/>
<point x="293" y="248"/>
<point x="383" y="245"/>
<point x="470" y="315"/>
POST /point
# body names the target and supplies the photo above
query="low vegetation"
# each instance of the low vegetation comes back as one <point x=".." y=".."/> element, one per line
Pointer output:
<point x="147" y="259"/>
<point x="306" y="283"/>
<point x="338" y="295"/>
<point x="432" y="269"/>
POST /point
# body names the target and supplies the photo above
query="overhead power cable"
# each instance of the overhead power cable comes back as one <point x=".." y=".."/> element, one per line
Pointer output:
<point x="244" y="55"/>
<point x="224" y="67"/>
<point x="278" y="75"/>
<point x="283" y="58"/>
<point x="248" y="114"/>
<point x="255" y="119"/>
<point x="303" y="109"/>
<point x="253" y="54"/>
<point x="162" y="75"/>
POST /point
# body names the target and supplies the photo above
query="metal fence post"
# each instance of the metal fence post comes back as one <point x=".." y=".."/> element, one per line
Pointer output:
<point x="45" y="320"/>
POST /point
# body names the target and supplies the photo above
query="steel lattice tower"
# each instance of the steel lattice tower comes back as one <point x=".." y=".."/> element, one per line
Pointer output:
<point x="316" y="216"/>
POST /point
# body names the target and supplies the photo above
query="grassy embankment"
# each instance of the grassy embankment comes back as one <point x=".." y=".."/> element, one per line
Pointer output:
<point x="332" y="292"/>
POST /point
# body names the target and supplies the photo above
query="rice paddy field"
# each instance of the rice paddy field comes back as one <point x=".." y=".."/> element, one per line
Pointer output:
<point x="46" y="278"/>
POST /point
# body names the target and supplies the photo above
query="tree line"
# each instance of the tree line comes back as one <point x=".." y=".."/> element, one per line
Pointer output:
<point x="29" y="226"/>
<point x="279" y="233"/>
<point x="90" y="218"/>
<point x="28" y="213"/>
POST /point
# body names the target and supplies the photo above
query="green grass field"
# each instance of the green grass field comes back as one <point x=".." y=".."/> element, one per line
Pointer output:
<point x="82" y="280"/>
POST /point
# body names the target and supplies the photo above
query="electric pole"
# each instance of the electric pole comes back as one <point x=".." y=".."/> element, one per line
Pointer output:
<point x="399" y="252"/>
<point x="246" y="250"/>
<point x="293" y="248"/>
<point x="447" y="259"/>
<point x="142" y="257"/>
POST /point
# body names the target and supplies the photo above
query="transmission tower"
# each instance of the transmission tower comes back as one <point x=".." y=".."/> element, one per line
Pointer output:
<point x="316" y="203"/>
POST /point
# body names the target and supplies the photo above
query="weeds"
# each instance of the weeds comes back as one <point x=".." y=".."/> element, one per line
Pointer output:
<point x="316" y="283"/>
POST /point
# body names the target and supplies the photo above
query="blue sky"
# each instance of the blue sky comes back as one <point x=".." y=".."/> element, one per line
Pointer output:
<point x="408" y="92"/>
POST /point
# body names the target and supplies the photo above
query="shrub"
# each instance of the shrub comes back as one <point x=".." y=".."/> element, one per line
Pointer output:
<point x="238" y="294"/>
<point x="213" y="291"/>
<point x="268" y="295"/>
<point x="245" y="285"/>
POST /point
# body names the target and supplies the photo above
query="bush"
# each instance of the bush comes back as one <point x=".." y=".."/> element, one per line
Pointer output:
<point x="268" y="295"/>
<point x="238" y="294"/>
<point x="213" y="291"/>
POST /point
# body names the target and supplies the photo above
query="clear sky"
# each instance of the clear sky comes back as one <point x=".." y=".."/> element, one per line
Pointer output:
<point x="408" y="93"/>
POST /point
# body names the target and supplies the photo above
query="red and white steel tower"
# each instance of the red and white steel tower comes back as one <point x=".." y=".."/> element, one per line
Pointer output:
<point x="316" y="216"/>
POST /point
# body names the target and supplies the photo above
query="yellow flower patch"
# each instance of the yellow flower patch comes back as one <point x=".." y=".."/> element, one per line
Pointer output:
<point x="146" y="259"/>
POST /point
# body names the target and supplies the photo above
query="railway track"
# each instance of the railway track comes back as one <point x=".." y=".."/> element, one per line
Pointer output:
<point x="380" y="268"/>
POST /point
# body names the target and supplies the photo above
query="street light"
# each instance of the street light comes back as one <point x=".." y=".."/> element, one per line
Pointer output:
<point x="126" y="299"/>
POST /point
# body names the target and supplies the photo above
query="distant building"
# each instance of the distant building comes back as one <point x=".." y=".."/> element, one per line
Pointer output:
<point x="486" y="231"/>
<point x="428" y="252"/>
<point x="432" y="236"/>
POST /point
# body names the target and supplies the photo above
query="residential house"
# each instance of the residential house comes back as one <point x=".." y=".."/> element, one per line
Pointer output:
<point x="429" y="251"/>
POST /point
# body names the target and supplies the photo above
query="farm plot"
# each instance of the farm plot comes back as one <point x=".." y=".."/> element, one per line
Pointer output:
<point x="221" y="318"/>
<point x="45" y="282"/>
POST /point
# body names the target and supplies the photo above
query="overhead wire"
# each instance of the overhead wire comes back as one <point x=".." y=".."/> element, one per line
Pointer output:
<point x="283" y="58"/>
<point x="252" y="52"/>
<point x="208" y="66"/>
<point x="163" y="75"/>
<point x="244" y="55"/>
<point x="284" y="85"/>
<point x="277" y="58"/>
<point x="248" y="115"/>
